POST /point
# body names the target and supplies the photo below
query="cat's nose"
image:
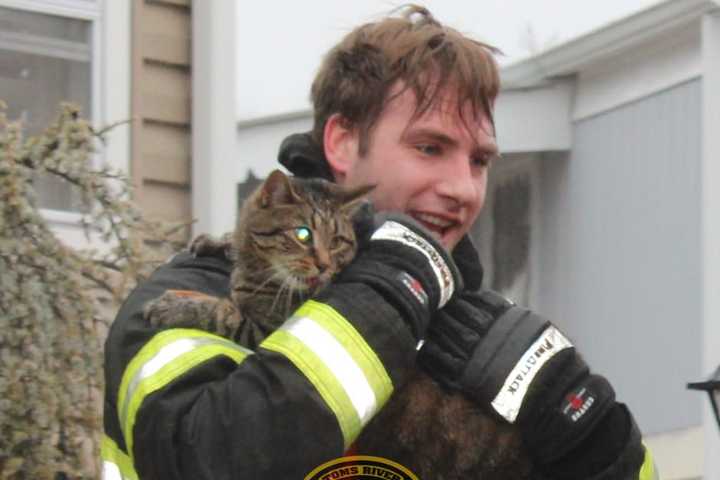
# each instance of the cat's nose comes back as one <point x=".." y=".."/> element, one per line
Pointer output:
<point x="322" y="260"/>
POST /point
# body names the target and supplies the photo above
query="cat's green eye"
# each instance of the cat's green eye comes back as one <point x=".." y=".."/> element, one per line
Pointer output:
<point x="303" y="234"/>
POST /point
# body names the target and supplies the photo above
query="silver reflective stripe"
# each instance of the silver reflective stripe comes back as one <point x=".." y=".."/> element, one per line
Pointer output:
<point x="398" y="232"/>
<point x="164" y="356"/>
<point x="338" y="361"/>
<point x="116" y="463"/>
<point x="110" y="471"/>
<point x="510" y="397"/>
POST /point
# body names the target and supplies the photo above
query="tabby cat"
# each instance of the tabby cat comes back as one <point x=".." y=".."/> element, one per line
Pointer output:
<point x="435" y="433"/>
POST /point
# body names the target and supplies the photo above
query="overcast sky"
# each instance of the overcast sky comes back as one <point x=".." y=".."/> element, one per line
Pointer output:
<point x="281" y="43"/>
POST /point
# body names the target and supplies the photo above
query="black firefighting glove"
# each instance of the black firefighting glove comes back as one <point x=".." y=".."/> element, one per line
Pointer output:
<point x="523" y="369"/>
<point x="402" y="261"/>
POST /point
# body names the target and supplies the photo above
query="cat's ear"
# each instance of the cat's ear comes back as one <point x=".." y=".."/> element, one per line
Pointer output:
<point x="352" y="199"/>
<point x="276" y="190"/>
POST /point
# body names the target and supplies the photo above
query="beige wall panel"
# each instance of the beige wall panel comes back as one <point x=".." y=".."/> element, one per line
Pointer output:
<point x="167" y="169"/>
<point x="165" y="33"/>
<point x="166" y="201"/>
<point x="164" y="93"/>
<point x="166" y="49"/>
<point x="163" y="139"/>
<point x="165" y="108"/>
<point x="185" y="3"/>
<point x="166" y="19"/>
<point x="164" y="79"/>
<point x="168" y="139"/>
<point x="161" y="102"/>
<point x="165" y="151"/>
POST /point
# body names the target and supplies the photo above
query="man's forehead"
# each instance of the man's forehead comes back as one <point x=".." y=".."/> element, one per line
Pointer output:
<point x="444" y="115"/>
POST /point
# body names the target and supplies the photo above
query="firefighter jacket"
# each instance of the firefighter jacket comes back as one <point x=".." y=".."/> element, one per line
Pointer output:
<point x="185" y="404"/>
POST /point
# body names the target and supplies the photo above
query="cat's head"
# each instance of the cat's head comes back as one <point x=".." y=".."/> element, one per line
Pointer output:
<point x="298" y="233"/>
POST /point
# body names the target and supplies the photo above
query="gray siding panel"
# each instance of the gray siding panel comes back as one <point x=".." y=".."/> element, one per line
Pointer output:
<point x="620" y="237"/>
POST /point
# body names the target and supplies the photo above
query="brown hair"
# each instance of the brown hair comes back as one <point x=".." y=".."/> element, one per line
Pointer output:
<point x="357" y="75"/>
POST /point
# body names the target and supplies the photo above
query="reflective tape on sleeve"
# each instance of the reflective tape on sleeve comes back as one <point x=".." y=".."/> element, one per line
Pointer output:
<point x="167" y="356"/>
<point x="335" y="358"/>
<point x="116" y="463"/>
<point x="648" y="471"/>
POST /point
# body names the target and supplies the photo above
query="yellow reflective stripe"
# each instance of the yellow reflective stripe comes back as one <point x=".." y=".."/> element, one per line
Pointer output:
<point x="355" y="344"/>
<point x="116" y="463"/>
<point x="148" y="351"/>
<point x="648" y="470"/>
<point x="335" y="358"/>
<point x="321" y="377"/>
<point x="168" y="355"/>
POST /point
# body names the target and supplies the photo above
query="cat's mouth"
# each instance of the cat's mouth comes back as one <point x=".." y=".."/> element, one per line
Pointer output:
<point x="316" y="282"/>
<point x="302" y="281"/>
<point x="305" y="284"/>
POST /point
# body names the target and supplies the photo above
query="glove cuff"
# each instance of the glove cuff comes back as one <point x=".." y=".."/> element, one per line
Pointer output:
<point x="426" y="258"/>
<point x="505" y="363"/>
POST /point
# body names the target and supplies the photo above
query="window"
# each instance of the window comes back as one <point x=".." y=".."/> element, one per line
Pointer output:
<point x="505" y="230"/>
<point x="46" y="57"/>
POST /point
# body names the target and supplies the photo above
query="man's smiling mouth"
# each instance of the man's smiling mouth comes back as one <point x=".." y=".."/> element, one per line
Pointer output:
<point x="435" y="224"/>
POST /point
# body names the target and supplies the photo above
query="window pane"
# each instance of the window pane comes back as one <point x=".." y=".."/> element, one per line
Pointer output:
<point x="45" y="60"/>
<point x="504" y="230"/>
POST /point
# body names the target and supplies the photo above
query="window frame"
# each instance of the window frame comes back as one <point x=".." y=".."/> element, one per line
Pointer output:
<point x="509" y="167"/>
<point x="91" y="11"/>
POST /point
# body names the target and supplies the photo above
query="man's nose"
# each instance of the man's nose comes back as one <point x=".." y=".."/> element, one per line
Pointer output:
<point x="457" y="183"/>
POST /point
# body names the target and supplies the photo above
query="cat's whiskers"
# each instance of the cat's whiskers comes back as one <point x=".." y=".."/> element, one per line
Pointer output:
<point x="285" y="284"/>
<point x="276" y="275"/>
<point x="289" y="299"/>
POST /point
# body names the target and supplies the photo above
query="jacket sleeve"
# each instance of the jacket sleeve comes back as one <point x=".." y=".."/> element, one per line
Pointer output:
<point x="629" y="458"/>
<point x="613" y="451"/>
<point x="185" y="404"/>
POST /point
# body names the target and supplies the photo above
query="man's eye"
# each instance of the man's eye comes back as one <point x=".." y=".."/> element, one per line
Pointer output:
<point x="484" y="160"/>
<point x="480" y="160"/>
<point x="428" y="149"/>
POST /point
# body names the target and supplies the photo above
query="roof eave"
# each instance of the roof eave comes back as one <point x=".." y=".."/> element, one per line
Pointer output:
<point x="568" y="58"/>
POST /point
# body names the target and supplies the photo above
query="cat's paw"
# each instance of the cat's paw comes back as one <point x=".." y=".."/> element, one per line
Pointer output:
<point x="207" y="246"/>
<point x="171" y="308"/>
<point x="156" y="310"/>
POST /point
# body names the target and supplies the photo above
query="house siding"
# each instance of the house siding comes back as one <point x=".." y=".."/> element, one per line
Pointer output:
<point x="161" y="99"/>
<point x="621" y="263"/>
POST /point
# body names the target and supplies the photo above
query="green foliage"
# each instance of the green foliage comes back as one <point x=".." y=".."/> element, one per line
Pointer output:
<point x="55" y="301"/>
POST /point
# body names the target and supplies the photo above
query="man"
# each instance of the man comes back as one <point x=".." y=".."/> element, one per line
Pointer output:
<point x="406" y="104"/>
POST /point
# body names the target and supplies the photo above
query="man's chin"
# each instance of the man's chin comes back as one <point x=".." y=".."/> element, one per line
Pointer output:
<point x="450" y="239"/>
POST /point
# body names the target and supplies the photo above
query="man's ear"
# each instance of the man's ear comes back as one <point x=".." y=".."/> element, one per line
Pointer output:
<point x="341" y="146"/>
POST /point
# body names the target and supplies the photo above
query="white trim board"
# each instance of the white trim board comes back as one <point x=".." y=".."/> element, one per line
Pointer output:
<point x="535" y="120"/>
<point x="83" y="9"/>
<point x="605" y="42"/>
<point x="640" y="72"/>
<point x="711" y="226"/>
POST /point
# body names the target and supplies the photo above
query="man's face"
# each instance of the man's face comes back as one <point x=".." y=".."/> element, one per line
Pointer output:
<point x="434" y="168"/>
